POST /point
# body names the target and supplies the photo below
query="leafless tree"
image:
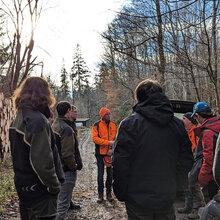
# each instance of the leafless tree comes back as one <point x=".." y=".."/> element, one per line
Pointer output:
<point x="22" y="18"/>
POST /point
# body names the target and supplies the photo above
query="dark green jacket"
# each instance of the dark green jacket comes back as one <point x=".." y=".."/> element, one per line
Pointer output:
<point x="33" y="157"/>
<point x="65" y="140"/>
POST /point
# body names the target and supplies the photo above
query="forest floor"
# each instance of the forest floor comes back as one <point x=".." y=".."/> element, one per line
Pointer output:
<point x="85" y="192"/>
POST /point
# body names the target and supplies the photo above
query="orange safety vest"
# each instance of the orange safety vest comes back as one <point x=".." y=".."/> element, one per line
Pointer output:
<point x="102" y="134"/>
<point x="193" y="138"/>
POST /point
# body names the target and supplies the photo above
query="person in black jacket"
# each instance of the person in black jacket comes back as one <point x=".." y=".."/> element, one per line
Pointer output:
<point x="37" y="167"/>
<point x="150" y="148"/>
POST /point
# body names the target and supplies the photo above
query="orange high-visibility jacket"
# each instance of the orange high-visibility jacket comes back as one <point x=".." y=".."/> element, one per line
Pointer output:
<point x="102" y="134"/>
<point x="193" y="138"/>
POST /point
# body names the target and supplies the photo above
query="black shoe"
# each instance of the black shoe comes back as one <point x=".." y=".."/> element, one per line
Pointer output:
<point x="193" y="214"/>
<point x="188" y="206"/>
<point x="109" y="197"/>
<point x="184" y="210"/>
<point x="100" y="199"/>
<point x="74" y="206"/>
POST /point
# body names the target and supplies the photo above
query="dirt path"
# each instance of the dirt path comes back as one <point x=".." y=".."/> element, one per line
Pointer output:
<point x="85" y="192"/>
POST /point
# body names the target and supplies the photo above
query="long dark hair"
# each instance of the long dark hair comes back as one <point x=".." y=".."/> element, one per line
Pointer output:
<point x="35" y="93"/>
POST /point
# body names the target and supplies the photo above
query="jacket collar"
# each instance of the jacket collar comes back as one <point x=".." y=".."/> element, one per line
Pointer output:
<point x="65" y="120"/>
<point x="204" y="125"/>
<point x="102" y="121"/>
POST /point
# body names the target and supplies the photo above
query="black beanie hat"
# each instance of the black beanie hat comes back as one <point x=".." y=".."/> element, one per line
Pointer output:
<point x="188" y="116"/>
<point x="62" y="107"/>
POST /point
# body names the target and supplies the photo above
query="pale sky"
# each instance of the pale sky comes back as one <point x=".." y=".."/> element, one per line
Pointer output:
<point x="71" y="22"/>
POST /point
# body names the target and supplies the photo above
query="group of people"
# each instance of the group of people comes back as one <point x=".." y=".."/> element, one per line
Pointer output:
<point x="45" y="158"/>
<point x="143" y="157"/>
<point x="200" y="187"/>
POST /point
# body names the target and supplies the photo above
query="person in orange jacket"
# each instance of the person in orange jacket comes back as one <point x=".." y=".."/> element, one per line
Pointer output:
<point x="190" y="124"/>
<point x="103" y="135"/>
<point x="193" y="197"/>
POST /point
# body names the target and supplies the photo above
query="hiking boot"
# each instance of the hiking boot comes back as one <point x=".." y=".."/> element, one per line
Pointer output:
<point x="188" y="205"/>
<point x="193" y="214"/>
<point x="185" y="209"/>
<point x="109" y="197"/>
<point x="100" y="199"/>
<point x="74" y="206"/>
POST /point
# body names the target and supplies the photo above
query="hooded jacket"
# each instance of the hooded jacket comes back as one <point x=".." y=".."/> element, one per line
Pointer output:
<point x="102" y="133"/>
<point x="36" y="162"/>
<point x="207" y="132"/>
<point x="150" y="148"/>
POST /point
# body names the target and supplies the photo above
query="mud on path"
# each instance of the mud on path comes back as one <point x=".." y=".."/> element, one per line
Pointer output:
<point x="85" y="192"/>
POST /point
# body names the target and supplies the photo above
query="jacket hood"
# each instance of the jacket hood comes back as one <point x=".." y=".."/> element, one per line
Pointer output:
<point x="215" y="126"/>
<point x="156" y="107"/>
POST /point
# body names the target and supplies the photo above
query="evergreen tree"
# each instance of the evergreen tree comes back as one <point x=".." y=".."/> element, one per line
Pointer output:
<point x="64" y="83"/>
<point x="54" y="88"/>
<point x="79" y="73"/>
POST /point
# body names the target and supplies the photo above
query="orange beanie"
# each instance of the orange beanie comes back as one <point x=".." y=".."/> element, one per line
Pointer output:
<point x="103" y="112"/>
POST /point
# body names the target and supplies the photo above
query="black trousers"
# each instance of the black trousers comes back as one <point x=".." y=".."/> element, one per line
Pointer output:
<point x="108" y="182"/>
<point x="137" y="213"/>
<point x="209" y="191"/>
<point x="44" y="210"/>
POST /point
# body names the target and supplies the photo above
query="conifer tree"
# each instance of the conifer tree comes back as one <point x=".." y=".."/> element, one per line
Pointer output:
<point x="79" y="73"/>
<point x="64" y="82"/>
<point x="54" y="88"/>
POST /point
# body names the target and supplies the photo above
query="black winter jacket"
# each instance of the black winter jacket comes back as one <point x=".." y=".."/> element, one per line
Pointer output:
<point x="37" y="167"/>
<point x="150" y="148"/>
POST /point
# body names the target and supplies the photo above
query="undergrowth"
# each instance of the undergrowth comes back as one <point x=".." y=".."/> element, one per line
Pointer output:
<point x="7" y="188"/>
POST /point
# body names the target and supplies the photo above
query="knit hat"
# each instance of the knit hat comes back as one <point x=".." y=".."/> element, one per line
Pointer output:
<point x="103" y="112"/>
<point x="188" y="116"/>
<point x="62" y="107"/>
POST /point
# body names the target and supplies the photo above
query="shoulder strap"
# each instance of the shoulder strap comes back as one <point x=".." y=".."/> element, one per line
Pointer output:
<point x="210" y="122"/>
<point x="97" y="125"/>
<point x="215" y="137"/>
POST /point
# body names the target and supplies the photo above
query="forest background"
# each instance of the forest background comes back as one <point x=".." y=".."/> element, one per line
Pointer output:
<point x="176" y="42"/>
